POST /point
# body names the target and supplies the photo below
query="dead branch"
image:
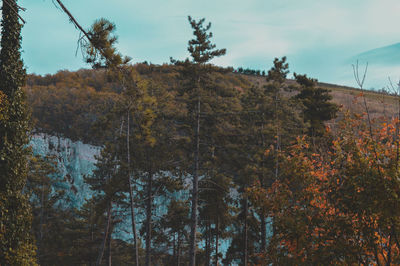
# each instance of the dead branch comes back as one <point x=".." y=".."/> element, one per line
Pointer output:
<point x="16" y="10"/>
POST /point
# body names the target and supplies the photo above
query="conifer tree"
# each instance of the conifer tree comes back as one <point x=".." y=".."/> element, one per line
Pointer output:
<point x="45" y="196"/>
<point x="221" y="106"/>
<point x="154" y="153"/>
<point x="269" y="121"/>
<point x="215" y="213"/>
<point x="317" y="105"/>
<point x="101" y="53"/>
<point x="195" y="73"/>
<point x="173" y="232"/>
<point x="16" y="244"/>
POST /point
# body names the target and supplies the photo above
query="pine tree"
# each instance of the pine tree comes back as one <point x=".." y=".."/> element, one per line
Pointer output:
<point x="16" y="244"/>
<point x="215" y="213"/>
<point x="101" y="53"/>
<point x="221" y="106"/>
<point x="154" y="155"/>
<point x="317" y="105"/>
<point x="202" y="51"/>
<point x="45" y="197"/>
<point x="268" y="121"/>
<point x="173" y="233"/>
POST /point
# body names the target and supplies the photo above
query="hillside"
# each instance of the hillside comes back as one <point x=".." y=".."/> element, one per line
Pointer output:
<point x="379" y="104"/>
<point x="70" y="103"/>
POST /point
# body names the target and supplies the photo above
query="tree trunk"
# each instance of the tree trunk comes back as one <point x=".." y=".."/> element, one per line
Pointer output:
<point x="41" y="217"/>
<point x="148" y="219"/>
<point x="179" y="250"/>
<point x="245" y="237"/>
<point x="194" y="215"/>
<point x="263" y="181"/>
<point x="174" y="244"/>
<point x="109" y="245"/>
<point x="208" y="243"/>
<point x="91" y="233"/>
<point x="278" y="146"/>
<point x="217" y="242"/>
<point x="263" y="233"/>
<point x="131" y="197"/>
<point x="103" y="243"/>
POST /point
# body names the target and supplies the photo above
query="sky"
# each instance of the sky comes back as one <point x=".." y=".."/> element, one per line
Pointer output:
<point x="318" y="36"/>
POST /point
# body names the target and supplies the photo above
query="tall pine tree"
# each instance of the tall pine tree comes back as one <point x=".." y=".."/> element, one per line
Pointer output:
<point x="202" y="51"/>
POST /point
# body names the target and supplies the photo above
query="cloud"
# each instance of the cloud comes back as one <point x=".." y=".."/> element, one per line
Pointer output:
<point x="315" y="35"/>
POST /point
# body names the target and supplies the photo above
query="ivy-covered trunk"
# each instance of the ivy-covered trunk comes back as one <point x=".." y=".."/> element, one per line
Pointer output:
<point x="16" y="244"/>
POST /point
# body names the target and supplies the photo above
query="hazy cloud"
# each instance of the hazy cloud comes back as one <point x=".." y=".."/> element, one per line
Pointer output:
<point x="317" y="36"/>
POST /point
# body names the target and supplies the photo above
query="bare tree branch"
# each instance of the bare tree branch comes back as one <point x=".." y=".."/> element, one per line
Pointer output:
<point x="16" y="11"/>
<point x="360" y="83"/>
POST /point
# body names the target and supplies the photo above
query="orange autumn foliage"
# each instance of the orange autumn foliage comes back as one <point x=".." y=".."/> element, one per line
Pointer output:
<point x="340" y="207"/>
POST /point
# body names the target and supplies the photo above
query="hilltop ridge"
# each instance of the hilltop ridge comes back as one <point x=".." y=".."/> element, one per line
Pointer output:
<point x="68" y="103"/>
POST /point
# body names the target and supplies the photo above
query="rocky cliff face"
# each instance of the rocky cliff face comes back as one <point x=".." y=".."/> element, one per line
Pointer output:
<point x="74" y="160"/>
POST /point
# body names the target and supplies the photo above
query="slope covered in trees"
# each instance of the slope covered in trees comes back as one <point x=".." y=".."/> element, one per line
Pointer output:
<point x="68" y="103"/>
<point x="251" y="171"/>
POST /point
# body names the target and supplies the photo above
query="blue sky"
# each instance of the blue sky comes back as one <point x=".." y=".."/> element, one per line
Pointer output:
<point x="318" y="37"/>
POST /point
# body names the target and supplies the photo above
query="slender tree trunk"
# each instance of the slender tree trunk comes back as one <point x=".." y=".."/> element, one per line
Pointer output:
<point x="398" y="129"/>
<point x="217" y="242"/>
<point x="41" y="217"/>
<point x="174" y="245"/>
<point x="245" y="247"/>
<point x="263" y="181"/>
<point x="91" y="232"/>
<point x="148" y="219"/>
<point x="179" y="250"/>
<point x="263" y="233"/>
<point x="207" y="246"/>
<point x="103" y="243"/>
<point x="208" y="243"/>
<point x="194" y="216"/>
<point x="263" y="229"/>
<point x="131" y="197"/>
<point x="109" y="245"/>
<point x="208" y="239"/>
<point x="278" y="146"/>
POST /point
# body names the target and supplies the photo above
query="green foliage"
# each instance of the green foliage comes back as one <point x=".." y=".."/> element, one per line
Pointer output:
<point x="68" y="236"/>
<point x="171" y="234"/>
<point x="269" y="121"/>
<point x="317" y="106"/>
<point x="72" y="104"/>
<point x="69" y="105"/>
<point x="279" y="71"/>
<point x="201" y="49"/>
<point x="100" y="51"/>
